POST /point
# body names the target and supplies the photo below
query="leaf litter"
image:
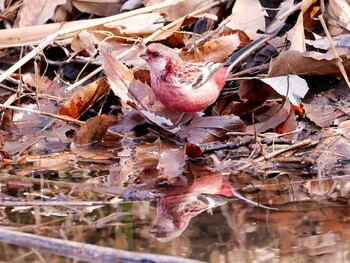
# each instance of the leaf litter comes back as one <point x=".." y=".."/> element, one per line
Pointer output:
<point x="86" y="146"/>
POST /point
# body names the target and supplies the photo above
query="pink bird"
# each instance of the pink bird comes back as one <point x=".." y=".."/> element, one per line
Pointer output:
<point x="188" y="87"/>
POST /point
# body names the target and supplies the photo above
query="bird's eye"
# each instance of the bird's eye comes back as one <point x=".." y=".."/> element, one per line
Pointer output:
<point x="155" y="54"/>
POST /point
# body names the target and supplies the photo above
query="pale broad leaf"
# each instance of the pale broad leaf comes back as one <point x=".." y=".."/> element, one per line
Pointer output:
<point x="118" y="75"/>
<point x="292" y="86"/>
<point x="249" y="16"/>
<point x="36" y="12"/>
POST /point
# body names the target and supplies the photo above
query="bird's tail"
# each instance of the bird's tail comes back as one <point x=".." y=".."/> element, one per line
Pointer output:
<point x="244" y="52"/>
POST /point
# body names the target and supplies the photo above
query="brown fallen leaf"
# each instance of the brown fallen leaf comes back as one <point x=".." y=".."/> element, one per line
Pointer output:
<point x="98" y="7"/>
<point x="218" y="49"/>
<point x="331" y="150"/>
<point x="273" y="117"/>
<point x="131" y="5"/>
<point x="288" y="126"/>
<point x="330" y="107"/>
<point x="93" y="130"/>
<point x="118" y="75"/>
<point x="340" y="42"/>
<point x="296" y="34"/>
<point x="177" y="9"/>
<point x="339" y="14"/>
<point x="36" y="12"/>
<point x="307" y="64"/>
<point x="249" y="16"/>
<point x="84" y="98"/>
<point x="323" y="115"/>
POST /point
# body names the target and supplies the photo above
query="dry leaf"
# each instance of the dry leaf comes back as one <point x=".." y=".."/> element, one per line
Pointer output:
<point x="177" y="9"/>
<point x="274" y="117"/>
<point x="306" y="64"/>
<point x="36" y="12"/>
<point x="339" y="10"/>
<point x="85" y="40"/>
<point x="118" y="75"/>
<point x="94" y="129"/>
<point x="323" y="115"/>
<point x="99" y="7"/>
<point x="220" y="48"/>
<point x="131" y="5"/>
<point x="334" y="146"/>
<point x="84" y="98"/>
<point x="330" y="107"/>
<point x="292" y="86"/>
<point x="248" y="16"/>
<point x="296" y="34"/>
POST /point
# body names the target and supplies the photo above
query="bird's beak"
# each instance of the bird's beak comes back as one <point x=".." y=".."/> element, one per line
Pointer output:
<point x="144" y="55"/>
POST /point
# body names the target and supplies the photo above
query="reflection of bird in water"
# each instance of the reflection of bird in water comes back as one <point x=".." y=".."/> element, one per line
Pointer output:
<point x="179" y="205"/>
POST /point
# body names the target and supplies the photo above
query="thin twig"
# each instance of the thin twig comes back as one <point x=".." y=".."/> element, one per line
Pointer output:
<point x="302" y="144"/>
<point x="336" y="54"/>
<point x="83" y="251"/>
<point x="56" y="116"/>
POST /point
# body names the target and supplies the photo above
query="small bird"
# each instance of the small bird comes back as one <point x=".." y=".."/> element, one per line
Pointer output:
<point x="184" y="86"/>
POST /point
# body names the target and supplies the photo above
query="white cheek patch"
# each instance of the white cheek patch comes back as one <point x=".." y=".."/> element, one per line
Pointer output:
<point x="158" y="67"/>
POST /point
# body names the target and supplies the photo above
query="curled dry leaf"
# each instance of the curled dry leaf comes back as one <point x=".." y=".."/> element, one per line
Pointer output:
<point x="98" y="7"/>
<point x="273" y="117"/>
<point x="118" y="75"/>
<point x="193" y="151"/>
<point x="36" y="12"/>
<point x="288" y="126"/>
<point x="296" y="34"/>
<point x="339" y="10"/>
<point x="64" y="12"/>
<point x="85" y="40"/>
<point x="220" y="48"/>
<point x="84" y="98"/>
<point x="247" y="15"/>
<point x="93" y="130"/>
<point x="177" y="9"/>
<point x="38" y="83"/>
<point x="307" y="64"/>
<point x="131" y="5"/>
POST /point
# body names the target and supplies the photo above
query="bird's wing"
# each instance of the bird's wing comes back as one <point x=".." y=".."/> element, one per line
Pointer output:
<point x="197" y="74"/>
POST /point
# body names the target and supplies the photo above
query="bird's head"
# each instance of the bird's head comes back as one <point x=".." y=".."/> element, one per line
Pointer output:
<point x="159" y="58"/>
